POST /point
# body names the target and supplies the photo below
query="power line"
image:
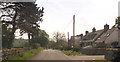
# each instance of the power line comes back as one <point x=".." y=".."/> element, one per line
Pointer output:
<point x="67" y="25"/>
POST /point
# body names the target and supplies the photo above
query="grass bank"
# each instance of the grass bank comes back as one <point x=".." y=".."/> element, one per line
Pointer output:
<point x="26" y="55"/>
<point x="73" y="53"/>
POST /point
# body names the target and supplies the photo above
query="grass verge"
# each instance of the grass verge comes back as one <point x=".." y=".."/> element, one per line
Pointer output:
<point x="26" y="55"/>
<point x="97" y="61"/>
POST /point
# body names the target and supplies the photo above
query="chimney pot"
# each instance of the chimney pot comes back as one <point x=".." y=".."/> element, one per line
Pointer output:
<point x="106" y="27"/>
<point x="81" y="36"/>
<point x="94" y="30"/>
<point x="86" y="32"/>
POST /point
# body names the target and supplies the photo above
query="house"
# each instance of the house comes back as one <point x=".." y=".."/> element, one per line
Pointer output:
<point x="77" y="39"/>
<point x="90" y="37"/>
<point x="110" y="36"/>
<point x="106" y="35"/>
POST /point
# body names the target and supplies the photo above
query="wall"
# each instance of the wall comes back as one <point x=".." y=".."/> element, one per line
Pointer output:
<point x="111" y="54"/>
<point x="93" y="51"/>
<point x="119" y="37"/>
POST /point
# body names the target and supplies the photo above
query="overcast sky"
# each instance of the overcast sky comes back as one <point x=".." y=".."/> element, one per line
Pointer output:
<point x="58" y="15"/>
<point x="89" y="13"/>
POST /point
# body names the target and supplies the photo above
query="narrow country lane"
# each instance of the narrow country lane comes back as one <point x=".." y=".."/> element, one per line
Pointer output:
<point x="50" y="55"/>
<point x="58" y="55"/>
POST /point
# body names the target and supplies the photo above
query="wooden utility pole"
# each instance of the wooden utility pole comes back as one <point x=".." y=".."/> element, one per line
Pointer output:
<point x="119" y="31"/>
<point x="73" y="30"/>
<point x="68" y="40"/>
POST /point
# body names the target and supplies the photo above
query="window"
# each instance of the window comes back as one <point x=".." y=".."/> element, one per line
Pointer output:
<point x="98" y="38"/>
<point x="107" y="34"/>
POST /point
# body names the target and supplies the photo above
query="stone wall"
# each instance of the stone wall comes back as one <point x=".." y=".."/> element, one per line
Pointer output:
<point x="93" y="51"/>
<point x="112" y="54"/>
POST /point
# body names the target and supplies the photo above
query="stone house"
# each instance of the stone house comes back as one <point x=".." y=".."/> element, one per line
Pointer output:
<point x="106" y="35"/>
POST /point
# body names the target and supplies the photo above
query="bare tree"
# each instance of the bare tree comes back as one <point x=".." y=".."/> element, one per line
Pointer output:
<point x="58" y="36"/>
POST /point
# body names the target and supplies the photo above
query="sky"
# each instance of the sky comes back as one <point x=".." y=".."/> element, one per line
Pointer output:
<point x="58" y="15"/>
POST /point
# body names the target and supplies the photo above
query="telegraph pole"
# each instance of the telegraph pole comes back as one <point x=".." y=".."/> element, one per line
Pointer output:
<point x="68" y="40"/>
<point x="119" y="24"/>
<point x="119" y="31"/>
<point x="73" y="30"/>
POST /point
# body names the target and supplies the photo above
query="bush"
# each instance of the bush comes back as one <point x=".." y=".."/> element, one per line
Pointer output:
<point x="35" y="45"/>
<point x="116" y="56"/>
<point x="67" y="48"/>
<point x="114" y="44"/>
<point x="101" y="45"/>
<point x="72" y="53"/>
<point x="76" y="48"/>
<point x="26" y="55"/>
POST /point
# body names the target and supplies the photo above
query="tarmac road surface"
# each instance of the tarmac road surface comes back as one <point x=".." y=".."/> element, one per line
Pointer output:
<point x="50" y="54"/>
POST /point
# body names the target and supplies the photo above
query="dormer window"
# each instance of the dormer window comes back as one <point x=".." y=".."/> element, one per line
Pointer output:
<point x="107" y="34"/>
<point x="98" y="38"/>
<point x="116" y="25"/>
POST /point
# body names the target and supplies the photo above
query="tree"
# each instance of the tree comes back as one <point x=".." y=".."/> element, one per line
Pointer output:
<point x="58" y="36"/>
<point x="25" y="16"/>
<point x="41" y="39"/>
<point x="62" y="44"/>
<point x="51" y="44"/>
<point x="60" y="40"/>
<point x="5" y="35"/>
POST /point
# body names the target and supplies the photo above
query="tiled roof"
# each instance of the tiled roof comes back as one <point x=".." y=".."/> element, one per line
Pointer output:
<point x="91" y="36"/>
<point x="105" y="35"/>
<point x="86" y="41"/>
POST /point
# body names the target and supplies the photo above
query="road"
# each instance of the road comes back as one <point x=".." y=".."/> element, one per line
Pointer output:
<point x="58" y="55"/>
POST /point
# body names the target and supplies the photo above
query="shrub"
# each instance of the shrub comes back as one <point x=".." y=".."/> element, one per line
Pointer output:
<point x="72" y="53"/>
<point x="35" y="45"/>
<point x="114" y="44"/>
<point x="68" y="48"/>
<point x="76" y="48"/>
<point x="101" y="45"/>
<point x="116" y="56"/>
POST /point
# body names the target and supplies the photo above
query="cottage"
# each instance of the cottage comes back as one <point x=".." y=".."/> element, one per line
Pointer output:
<point x="106" y="35"/>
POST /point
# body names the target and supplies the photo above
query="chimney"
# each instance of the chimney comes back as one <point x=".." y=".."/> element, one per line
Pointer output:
<point x="116" y="21"/>
<point x="106" y="27"/>
<point x="86" y="32"/>
<point x="81" y="36"/>
<point x="93" y="30"/>
<point x="118" y="32"/>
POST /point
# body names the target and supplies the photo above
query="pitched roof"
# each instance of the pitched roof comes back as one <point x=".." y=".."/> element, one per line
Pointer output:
<point x="86" y="41"/>
<point x="105" y="35"/>
<point x="91" y="36"/>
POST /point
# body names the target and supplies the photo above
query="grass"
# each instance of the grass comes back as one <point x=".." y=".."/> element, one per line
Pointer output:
<point x="98" y="61"/>
<point x="26" y="55"/>
<point x="73" y="53"/>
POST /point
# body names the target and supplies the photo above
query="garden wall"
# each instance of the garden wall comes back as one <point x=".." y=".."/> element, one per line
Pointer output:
<point x="113" y="54"/>
<point x="93" y="51"/>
